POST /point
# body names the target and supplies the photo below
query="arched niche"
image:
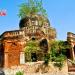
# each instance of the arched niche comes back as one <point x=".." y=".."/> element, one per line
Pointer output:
<point x="44" y="45"/>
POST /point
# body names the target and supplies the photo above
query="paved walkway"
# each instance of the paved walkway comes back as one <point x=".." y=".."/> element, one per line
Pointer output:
<point x="71" y="73"/>
<point x="46" y="74"/>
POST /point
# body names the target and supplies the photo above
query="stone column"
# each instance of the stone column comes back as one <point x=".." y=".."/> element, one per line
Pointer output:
<point x="22" y="58"/>
<point x="72" y="52"/>
<point x="6" y="65"/>
<point x="5" y="44"/>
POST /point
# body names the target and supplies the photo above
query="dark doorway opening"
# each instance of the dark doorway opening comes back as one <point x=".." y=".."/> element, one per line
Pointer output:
<point x="33" y="57"/>
<point x="44" y="45"/>
<point x="74" y="49"/>
<point x="68" y="53"/>
<point x="1" y="56"/>
<point x="33" y="39"/>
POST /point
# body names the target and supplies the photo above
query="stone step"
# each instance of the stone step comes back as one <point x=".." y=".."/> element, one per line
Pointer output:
<point x="71" y="73"/>
<point x="71" y="68"/>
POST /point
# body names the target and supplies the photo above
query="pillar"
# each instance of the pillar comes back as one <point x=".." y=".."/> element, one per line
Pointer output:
<point x="6" y="65"/>
<point x="72" y="52"/>
<point x="22" y="58"/>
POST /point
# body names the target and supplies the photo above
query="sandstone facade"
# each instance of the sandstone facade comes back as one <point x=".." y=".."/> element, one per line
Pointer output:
<point x="71" y="41"/>
<point x="12" y="43"/>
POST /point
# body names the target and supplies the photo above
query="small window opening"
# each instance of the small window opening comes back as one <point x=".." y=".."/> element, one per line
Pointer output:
<point x="33" y="57"/>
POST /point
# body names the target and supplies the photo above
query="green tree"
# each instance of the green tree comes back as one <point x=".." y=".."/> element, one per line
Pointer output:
<point x="32" y="7"/>
<point x="31" y="47"/>
<point x="58" y="52"/>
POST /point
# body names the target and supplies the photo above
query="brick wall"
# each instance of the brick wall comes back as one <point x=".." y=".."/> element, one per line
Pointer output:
<point x="12" y="51"/>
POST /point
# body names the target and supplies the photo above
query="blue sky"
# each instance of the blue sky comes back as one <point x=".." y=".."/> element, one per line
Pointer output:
<point x="61" y="14"/>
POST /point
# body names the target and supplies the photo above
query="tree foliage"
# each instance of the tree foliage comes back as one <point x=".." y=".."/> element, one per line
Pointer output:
<point x="59" y="48"/>
<point x="32" y="7"/>
<point x="19" y="73"/>
<point x="31" y="46"/>
<point x="58" y="52"/>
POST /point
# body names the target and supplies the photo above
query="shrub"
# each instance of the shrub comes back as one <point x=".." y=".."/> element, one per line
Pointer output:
<point x="46" y="59"/>
<point x="58" y="53"/>
<point x="19" y="73"/>
<point x="58" y="64"/>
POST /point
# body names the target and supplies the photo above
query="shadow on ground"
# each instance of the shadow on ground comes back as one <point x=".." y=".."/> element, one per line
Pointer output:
<point x="2" y="72"/>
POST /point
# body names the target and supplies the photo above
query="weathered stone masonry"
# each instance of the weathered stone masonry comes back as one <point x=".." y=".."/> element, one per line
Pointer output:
<point x="71" y="41"/>
<point x="12" y="43"/>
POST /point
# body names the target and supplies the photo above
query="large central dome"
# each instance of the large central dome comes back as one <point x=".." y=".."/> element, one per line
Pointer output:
<point x="33" y="20"/>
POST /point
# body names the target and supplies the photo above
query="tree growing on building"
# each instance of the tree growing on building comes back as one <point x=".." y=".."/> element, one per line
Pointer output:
<point x="31" y="7"/>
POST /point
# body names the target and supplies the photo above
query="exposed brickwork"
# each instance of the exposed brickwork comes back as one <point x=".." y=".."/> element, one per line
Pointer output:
<point x="13" y="42"/>
<point x="12" y="48"/>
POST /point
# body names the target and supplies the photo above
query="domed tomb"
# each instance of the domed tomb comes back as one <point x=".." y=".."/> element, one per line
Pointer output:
<point x="37" y="26"/>
<point x="33" y="20"/>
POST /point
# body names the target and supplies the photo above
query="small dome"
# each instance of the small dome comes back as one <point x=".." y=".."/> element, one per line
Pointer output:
<point x="23" y="21"/>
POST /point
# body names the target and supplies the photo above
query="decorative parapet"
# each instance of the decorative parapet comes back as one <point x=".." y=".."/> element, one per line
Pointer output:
<point x="71" y="41"/>
<point x="13" y="33"/>
<point x="70" y="37"/>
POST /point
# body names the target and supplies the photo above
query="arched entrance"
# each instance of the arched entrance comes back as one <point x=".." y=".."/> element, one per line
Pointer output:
<point x="44" y="45"/>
